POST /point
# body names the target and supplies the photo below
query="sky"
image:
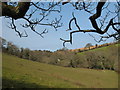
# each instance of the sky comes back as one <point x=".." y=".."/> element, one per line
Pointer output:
<point x="51" y="40"/>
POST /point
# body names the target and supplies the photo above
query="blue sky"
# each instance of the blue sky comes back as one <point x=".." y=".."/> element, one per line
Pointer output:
<point x="51" y="40"/>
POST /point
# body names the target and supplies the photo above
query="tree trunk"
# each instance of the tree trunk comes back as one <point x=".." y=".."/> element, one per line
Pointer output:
<point x="14" y="12"/>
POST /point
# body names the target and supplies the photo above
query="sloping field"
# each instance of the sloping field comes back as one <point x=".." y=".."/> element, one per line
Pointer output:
<point x="21" y="73"/>
<point x="105" y="49"/>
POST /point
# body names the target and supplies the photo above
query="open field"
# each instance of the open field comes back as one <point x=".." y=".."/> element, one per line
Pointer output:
<point x="29" y="74"/>
<point x="105" y="49"/>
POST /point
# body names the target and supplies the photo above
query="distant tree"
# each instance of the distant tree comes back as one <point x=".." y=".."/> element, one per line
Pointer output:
<point x="9" y="49"/>
<point x="88" y="45"/>
<point x="71" y="64"/>
<point x="12" y="49"/>
<point x="25" y="53"/>
<point x="3" y="44"/>
<point x="36" y="55"/>
<point x="21" y="52"/>
<point x="96" y="45"/>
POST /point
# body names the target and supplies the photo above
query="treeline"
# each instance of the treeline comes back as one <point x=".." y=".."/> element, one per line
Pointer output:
<point x="89" y="46"/>
<point x="94" y="59"/>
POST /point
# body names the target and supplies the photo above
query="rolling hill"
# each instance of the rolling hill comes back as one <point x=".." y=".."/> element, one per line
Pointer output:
<point x="21" y="73"/>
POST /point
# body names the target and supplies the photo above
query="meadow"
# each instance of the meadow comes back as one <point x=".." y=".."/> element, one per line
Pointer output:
<point x="21" y="73"/>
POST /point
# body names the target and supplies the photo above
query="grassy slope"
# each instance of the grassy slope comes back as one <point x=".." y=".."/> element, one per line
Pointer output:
<point x="102" y="48"/>
<point x="24" y="73"/>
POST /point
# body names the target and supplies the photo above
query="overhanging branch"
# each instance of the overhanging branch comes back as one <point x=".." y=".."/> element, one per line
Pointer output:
<point x="15" y="12"/>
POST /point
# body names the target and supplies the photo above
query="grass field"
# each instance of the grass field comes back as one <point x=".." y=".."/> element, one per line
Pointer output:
<point x="106" y="48"/>
<point x="21" y="73"/>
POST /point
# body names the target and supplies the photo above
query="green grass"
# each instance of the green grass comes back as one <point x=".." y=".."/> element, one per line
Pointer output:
<point x="29" y="74"/>
<point x="101" y="49"/>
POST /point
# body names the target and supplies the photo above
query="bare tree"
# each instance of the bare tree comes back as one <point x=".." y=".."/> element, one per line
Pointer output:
<point x="93" y="19"/>
<point x="16" y="10"/>
<point x="24" y="11"/>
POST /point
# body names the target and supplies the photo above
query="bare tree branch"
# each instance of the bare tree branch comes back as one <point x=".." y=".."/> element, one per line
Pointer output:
<point x="49" y="8"/>
<point x="63" y="3"/>
<point x="13" y="26"/>
<point x="79" y="30"/>
<point x="104" y="38"/>
<point x="94" y="24"/>
<point x="19" y="11"/>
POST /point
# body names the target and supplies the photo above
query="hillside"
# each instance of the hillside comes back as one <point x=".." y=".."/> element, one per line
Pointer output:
<point x="103" y="56"/>
<point x="99" y="58"/>
<point x="95" y="47"/>
<point x="21" y="73"/>
<point x="104" y="48"/>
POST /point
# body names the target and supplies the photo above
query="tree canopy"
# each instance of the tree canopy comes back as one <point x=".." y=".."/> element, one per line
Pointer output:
<point x="27" y="11"/>
<point x="88" y="45"/>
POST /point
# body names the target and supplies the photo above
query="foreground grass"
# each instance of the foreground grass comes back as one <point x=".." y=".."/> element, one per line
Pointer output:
<point x="22" y="73"/>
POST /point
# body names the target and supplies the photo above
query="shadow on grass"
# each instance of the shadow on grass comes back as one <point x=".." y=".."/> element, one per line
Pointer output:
<point x="7" y="83"/>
